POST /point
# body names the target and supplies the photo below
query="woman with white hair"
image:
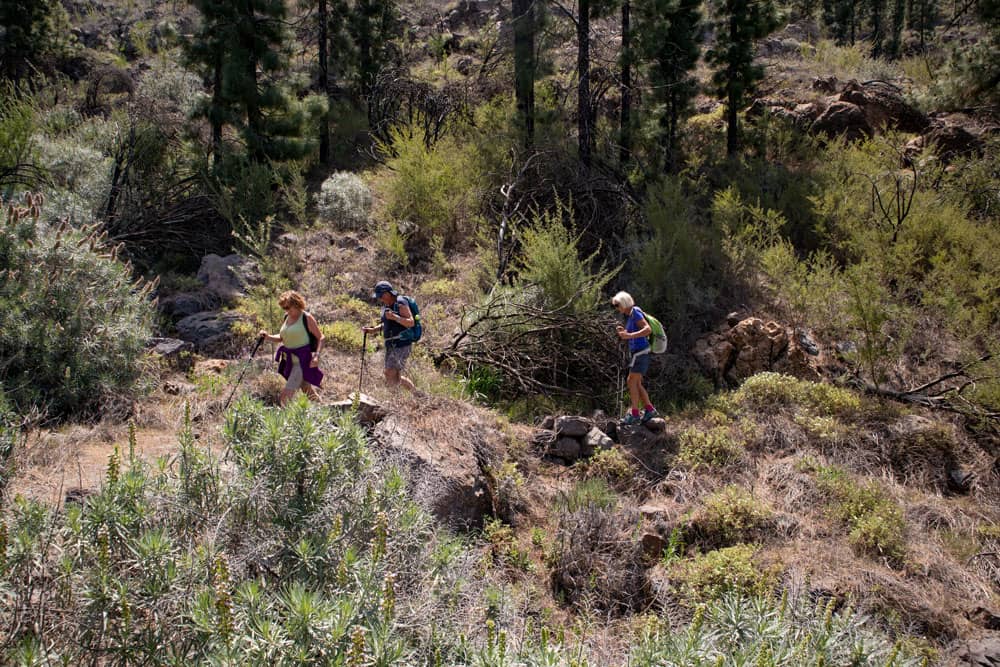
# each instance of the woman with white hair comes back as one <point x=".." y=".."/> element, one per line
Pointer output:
<point x="636" y="331"/>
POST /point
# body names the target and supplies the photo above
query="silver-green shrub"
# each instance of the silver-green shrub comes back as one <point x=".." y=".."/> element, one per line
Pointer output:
<point x="344" y="201"/>
<point x="73" y="321"/>
<point x="763" y="630"/>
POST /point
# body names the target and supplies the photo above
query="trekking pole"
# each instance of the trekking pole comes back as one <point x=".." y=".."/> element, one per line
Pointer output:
<point x="243" y="372"/>
<point x="621" y="386"/>
<point x="364" y="348"/>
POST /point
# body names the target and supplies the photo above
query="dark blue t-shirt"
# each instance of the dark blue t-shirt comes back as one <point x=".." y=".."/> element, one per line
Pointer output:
<point x="632" y="325"/>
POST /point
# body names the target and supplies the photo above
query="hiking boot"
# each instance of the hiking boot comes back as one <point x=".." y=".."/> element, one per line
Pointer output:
<point x="631" y="419"/>
<point x="648" y="414"/>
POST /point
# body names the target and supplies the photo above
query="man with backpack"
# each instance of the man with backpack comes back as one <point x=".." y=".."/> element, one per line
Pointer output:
<point x="400" y="328"/>
<point x="637" y="331"/>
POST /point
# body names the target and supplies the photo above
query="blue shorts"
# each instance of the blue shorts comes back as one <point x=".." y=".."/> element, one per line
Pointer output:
<point x="639" y="363"/>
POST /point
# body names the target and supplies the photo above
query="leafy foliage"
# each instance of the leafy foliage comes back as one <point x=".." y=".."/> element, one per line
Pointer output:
<point x="740" y="629"/>
<point x="344" y="201"/>
<point x="73" y="322"/>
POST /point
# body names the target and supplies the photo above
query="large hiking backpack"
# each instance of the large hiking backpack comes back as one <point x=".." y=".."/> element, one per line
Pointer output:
<point x="658" y="337"/>
<point x="413" y="334"/>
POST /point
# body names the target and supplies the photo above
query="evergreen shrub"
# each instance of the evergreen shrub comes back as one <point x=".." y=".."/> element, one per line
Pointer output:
<point x="73" y="321"/>
<point x="344" y="201"/>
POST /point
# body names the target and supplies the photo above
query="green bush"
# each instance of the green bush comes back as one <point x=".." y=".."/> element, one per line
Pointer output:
<point x="774" y="392"/>
<point x="73" y="322"/>
<point x="669" y="270"/>
<point x="739" y="629"/>
<point x="433" y="188"/>
<point x="875" y="522"/>
<point x="343" y="335"/>
<point x="714" y="447"/>
<point x="730" y="516"/>
<point x="589" y="493"/>
<point x="732" y="569"/>
<point x="612" y="466"/>
<point x="550" y="260"/>
<point x="300" y="551"/>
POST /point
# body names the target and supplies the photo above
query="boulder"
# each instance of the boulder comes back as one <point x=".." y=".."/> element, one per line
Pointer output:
<point x="179" y="306"/>
<point x="596" y="440"/>
<point x="573" y="427"/>
<point x="566" y="448"/>
<point x="825" y="84"/>
<point x="948" y="142"/>
<point x="883" y="106"/>
<point x="464" y="65"/>
<point x="443" y="473"/>
<point x="227" y="277"/>
<point x="208" y="330"/>
<point x="174" y="388"/>
<point x="171" y="349"/>
<point x="370" y="412"/>
<point x="753" y="346"/>
<point x="842" y="119"/>
<point x="983" y="652"/>
<point x="657" y="424"/>
<point x="757" y="345"/>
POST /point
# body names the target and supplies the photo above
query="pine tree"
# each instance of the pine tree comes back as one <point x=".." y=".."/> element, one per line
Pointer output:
<point x="523" y="13"/>
<point x="669" y="36"/>
<point x="373" y="25"/>
<point x="627" y="61"/>
<point x="30" y="30"/>
<point x="738" y="24"/>
<point x="841" y="18"/>
<point x="586" y="10"/>
<point x="242" y="47"/>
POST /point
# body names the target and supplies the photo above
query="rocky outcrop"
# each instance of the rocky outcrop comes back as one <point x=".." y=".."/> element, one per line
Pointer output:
<point x="227" y="277"/>
<point x="369" y="411"/>
<point x="978" y="653"/>
<point x="443" y="473"/>
<point x="842" y="119"/>
<point x="751" y="346"/>
<point x="884" y="106"/>
<point x="572" y="438"/>
<point x="209" y="331"/>
<point x="852" y="110"/>
<point x="948" y="142"/>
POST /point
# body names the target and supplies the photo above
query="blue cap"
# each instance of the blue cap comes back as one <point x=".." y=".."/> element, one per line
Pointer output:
<point x="382" y="287"/>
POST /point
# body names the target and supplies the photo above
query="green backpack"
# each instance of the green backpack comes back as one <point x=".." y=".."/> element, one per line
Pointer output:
<point x="658" y="337"/>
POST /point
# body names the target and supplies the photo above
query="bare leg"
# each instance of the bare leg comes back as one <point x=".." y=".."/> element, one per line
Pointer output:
<point x="643" y="396"/>
<point x="635" y="390"/>
<point x="286" y="394"/>
<point x="310" y="391"/>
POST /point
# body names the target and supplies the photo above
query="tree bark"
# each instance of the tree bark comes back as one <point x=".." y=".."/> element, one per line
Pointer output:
<point x="584" y="129"/>
<point x="324" y="80"/>
<point x="626" y="89"/>
<point x="524" y="66"/>
<point x="216" y="107"/>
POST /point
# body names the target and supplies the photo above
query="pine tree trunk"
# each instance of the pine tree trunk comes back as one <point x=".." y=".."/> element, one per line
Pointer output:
<point x="255" y="119"/>
<point x="626" y="89"/>
<point x="583" y="89"/>
<point x="878" y="8"/>
<point x="216" y="106"/>
<point x="524" y="66"/>
<point x="324" y="81"/>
